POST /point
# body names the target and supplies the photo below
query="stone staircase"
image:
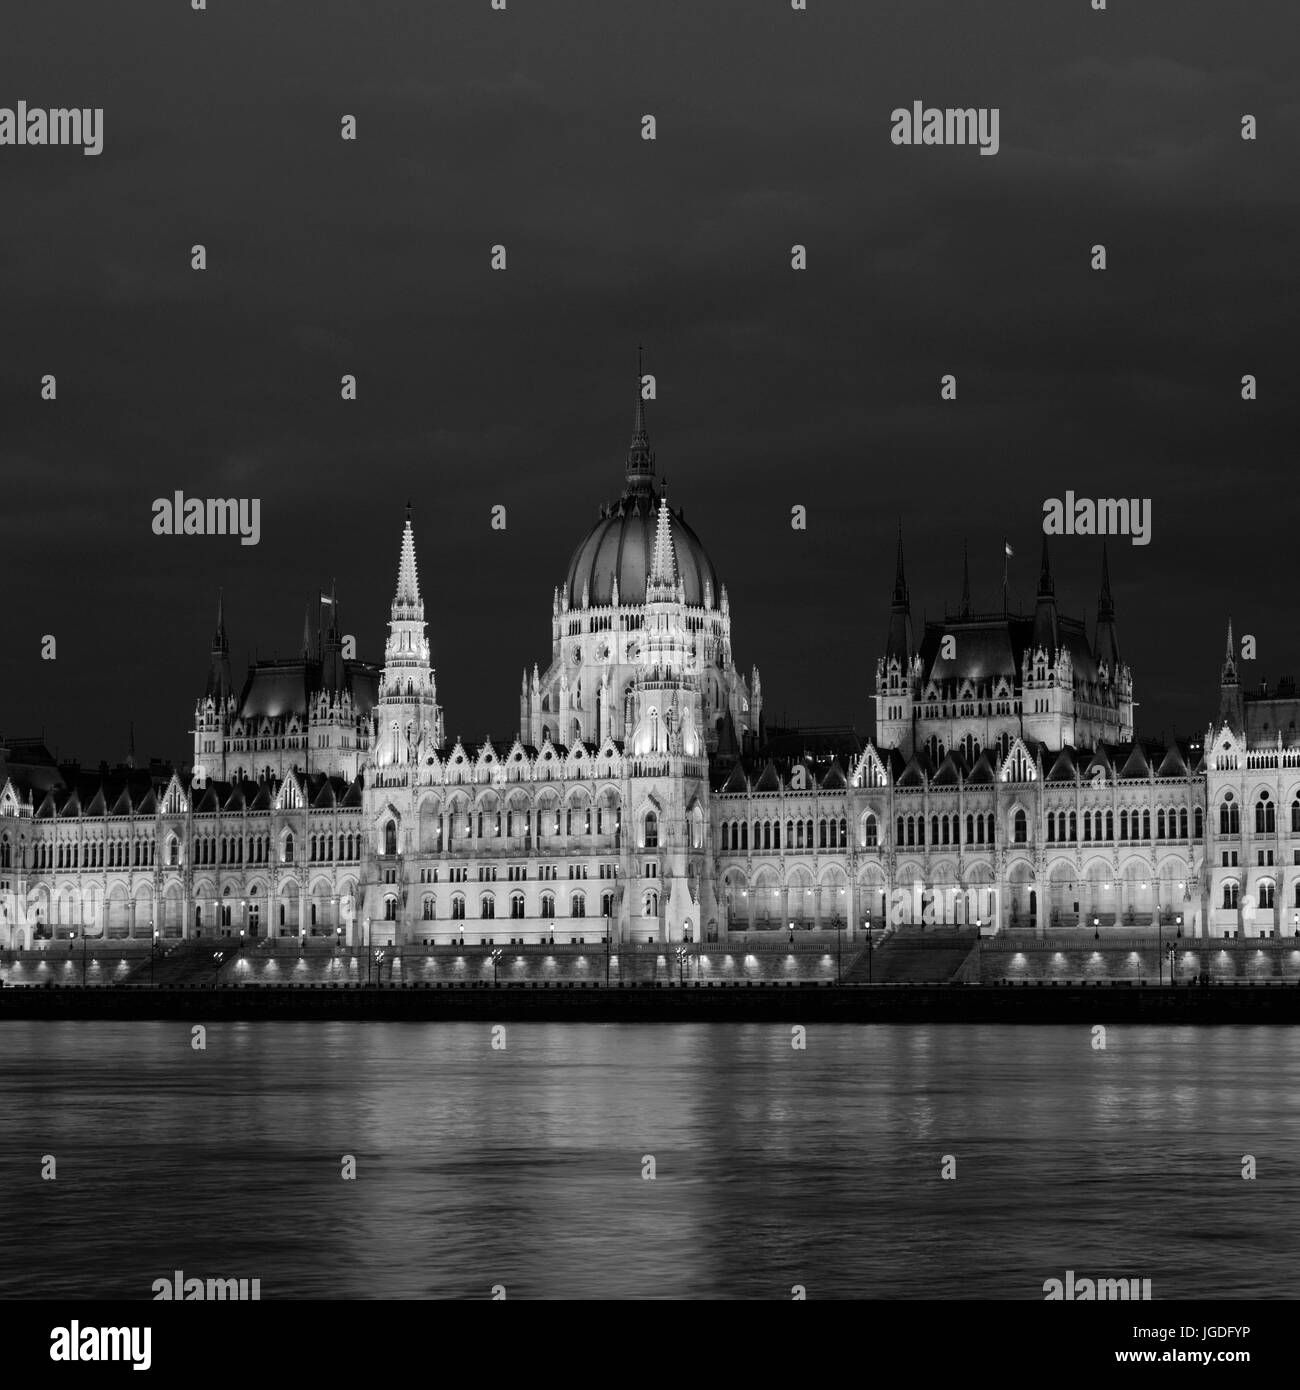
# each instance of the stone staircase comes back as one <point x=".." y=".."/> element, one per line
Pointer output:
<point x="185" y="963"/>
<point x="935" y="956"/>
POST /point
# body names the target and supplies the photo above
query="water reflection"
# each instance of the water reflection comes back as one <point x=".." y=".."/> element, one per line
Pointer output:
<point x="773" y="1165"/>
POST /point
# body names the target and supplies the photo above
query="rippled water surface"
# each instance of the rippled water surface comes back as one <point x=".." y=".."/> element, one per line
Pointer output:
<point x="523" y="1167"/>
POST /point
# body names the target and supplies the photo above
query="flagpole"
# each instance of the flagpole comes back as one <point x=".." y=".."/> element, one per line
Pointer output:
<point x="1006" y="558"/>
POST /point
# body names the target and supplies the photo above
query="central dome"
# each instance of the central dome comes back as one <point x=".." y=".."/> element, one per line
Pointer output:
<point x="621" y="546"/>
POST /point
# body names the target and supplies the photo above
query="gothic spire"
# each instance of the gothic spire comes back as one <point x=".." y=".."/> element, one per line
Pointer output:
<point x="640" y="461"/>
<point x="900" y="578"/>
<point x="1107" y="643"/>
<point x="219" y="642"/>
<point x="965" y="580"/>
<point x="1105" y="604"/>
<point x="406" y="602"/>
<point x="1046" y="585"/>
<point x="899" y="642"/>
<point x="663" y="567"/>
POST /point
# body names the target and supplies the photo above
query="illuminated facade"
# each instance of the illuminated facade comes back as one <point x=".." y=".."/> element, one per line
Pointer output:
<point x="644" y="799"/>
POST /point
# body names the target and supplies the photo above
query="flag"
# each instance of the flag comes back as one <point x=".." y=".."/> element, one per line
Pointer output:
<point x="1007" y="548"/>
<point x="325" y="598"/>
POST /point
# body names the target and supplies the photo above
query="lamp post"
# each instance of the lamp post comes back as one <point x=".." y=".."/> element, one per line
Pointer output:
<point x="607" y="948"/>
<point x="83" y="957"/>
<point x="367" y="950"/>
<point x="153" y="956"/>
<point x="216" y="967"/>
<point x="839" y="953"/>
<point x="1160" y="956"/>
<point x="496" y="956"/>
<point x="379" y="969"/>
<point x="1096" y="928"/>
<point x="681" y="965"/>
<point x="871" y="949"/>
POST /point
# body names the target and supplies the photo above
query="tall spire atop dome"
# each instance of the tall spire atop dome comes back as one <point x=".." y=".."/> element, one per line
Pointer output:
<point x="640" y="461"/>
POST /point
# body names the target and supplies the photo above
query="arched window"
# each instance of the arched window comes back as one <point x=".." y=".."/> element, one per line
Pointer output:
<point x="1199" y="821"/>
<point x="390" y="909"/>
<point x="911" y="830"/>
<point x="1051" y="827"/>
<point x="487" y="906"/>
<point x="898" y="837"/>
<point x="1123" y="825"/>
<point x="767" y="834"/>
<point x="650" y="904"/>
<point x="844" y="833"/>
<point x="427" y="911"/>
<point x="1146" y="825"/>
<point x="1230" y="894"/>
<point x="870" y="833"/>
<point x="1087" y="825"/>
<point x="726" y="836"/>
<point x="548" y="905"/>
<point x="1020" y="828"/>
<point x="934" y="830"/>
<point x="516" y="905"/>
<point x="288" y="848"/>
<point x="970" y="830"/>
<point x="1229" y="818"/>
<point x="607" y="904"/>
<point x="1110" y="825"/>
<point x="652" y="831"/>
<point x="390" y="838"/>
<point x="458" y="908"/>
<point x="1295" y="816"/>
<point x="1266" y="894"/>
<point x="744" y="834"/>
<point x="1182" y="823"/>
<point x="578" y="905"/>
<point x="1160" y="825"/>
<point x="776" y="835"/>
<point x="989" y="819"/>
<point x="920" y="830"/>
<point x="1265" y="815"/>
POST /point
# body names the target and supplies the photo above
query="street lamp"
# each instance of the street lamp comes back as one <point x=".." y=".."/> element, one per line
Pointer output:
<point x="153" y="955"/>
<point x="379" y="968"/>
<point x="496" y="956"/>
<point x="1096" y="928"/>
<point x="1160" y="957"/>
<point x="839" y="953"/>
<point x="681" y="964"/>
<point x="216" y="968"/>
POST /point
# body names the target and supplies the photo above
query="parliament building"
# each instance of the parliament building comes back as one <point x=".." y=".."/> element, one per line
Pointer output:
<point x="644" y="797"/>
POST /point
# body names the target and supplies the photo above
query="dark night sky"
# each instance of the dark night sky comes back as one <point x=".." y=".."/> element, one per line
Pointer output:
<point x="776" y="388"/>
